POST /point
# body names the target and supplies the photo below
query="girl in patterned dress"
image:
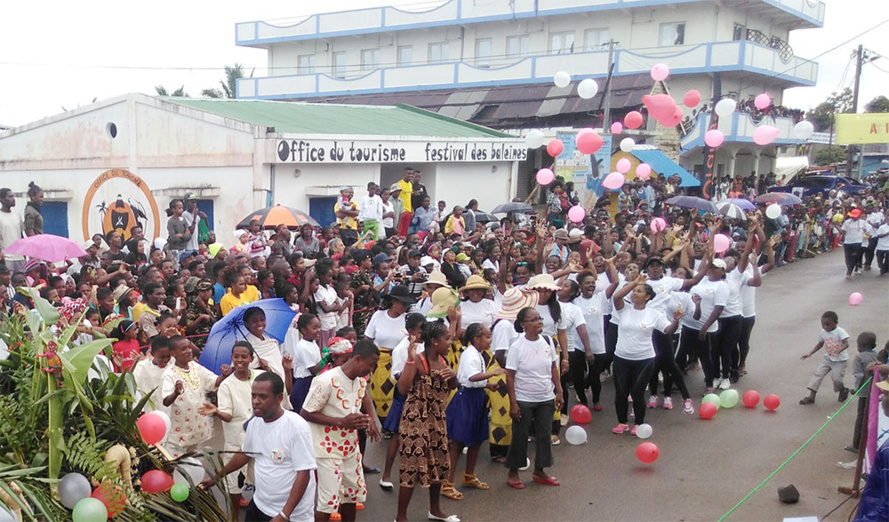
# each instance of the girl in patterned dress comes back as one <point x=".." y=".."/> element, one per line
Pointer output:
<point x="426" y="380"/>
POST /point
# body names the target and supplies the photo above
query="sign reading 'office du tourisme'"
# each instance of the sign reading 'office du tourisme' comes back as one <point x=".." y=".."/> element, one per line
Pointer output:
<point x="352" y="151"/>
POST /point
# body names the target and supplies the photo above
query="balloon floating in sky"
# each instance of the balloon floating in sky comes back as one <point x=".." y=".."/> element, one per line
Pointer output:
<point x="633" y="120"/>
<point x="725" y="107"/>
<point x="562" y="79"/>
<point x="616" y="127"/>
<point x="627" y="145"/>
<point x="623" y="165"/>
<point x="545" y="176"/>
<point x="762" y="101"/>
<point x="643" y="171"/>
<point x="803" y="130"/>
<point x="765" y="134"/>
<point x="714" y="138"/>
<point x="660" y="72"/>
<point x="613" y="181"/>
<point x="555" y="147"/>
<point x="773" y="211"/>
<point x="721" y="243"/>
<point x="576" y="215"/>
<point x="587" y="88"/>
<point x="588" y="142"/>
<point x="658" y="225"/>
<point x="692" y="98"/>
<point x="534" y="139"/>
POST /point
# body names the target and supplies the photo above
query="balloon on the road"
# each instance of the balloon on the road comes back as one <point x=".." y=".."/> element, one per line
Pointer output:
<point x="643" y="431"/>
<point x="707" y="410"/>
<point x="750" y="398"/>
<point x="576" y="435"/>
<point x="771" y="402"/>
<point x="855" y="298"/>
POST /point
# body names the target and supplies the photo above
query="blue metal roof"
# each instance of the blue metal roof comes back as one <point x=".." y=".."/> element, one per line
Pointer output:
<point x="661" y="164"/>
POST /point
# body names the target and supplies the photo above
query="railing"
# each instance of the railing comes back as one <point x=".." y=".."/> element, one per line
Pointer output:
<point x="698" y="59"/>
<point x="739" y="128"/>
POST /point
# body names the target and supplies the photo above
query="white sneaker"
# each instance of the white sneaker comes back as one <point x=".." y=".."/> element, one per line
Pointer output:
<point x="688" y="406"/>
<point x="652" y="401"/>
<point x="725" y="384"/>
<point x="668" y="403"/>
<point x="563" y="420"/>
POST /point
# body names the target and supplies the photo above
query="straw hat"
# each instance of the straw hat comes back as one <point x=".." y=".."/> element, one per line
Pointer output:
<point x="542" y="281"/>
<point x="436" y="277"/>
<point x="883" y="385"/>
<point x="513" y="301"/>
<point x="476" y="282"/>
<point x="442" y="299"/>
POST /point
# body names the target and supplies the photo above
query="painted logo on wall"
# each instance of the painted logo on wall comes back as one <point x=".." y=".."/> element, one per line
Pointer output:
<point x="119" y="200"/>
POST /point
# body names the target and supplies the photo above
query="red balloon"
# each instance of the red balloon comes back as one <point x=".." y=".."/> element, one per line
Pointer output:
<point x="581" y="414"/>
<point x="589" y="142"/>
<point x="156" y="481"/>
<point x="707" y="410"/>
<point x="661" y="106"/>
<point x="750" y="398"/>
<point x="771" y="401"/>
<point x="555" y="147"/>
<point x="647" y="452"/>
<point x="152" y="428"/>
<point x="692" y="98"/>
<point x="112" y="496"/>
<point x="633" y="120"/>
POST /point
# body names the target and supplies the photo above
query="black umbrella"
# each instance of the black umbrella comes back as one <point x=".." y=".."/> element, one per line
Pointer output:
<point x="693" y="202"/>
<point x="485" y="217"/>
<point x="513" y="206"/>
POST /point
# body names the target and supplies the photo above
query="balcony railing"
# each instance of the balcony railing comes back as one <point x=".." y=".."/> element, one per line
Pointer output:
<point x="739" y="129"/>
<point x="461" y="12"/>
<point x="705" y="58"/>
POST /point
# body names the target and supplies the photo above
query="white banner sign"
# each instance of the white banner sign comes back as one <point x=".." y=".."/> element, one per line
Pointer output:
<point x="356" y="151"/>
<point x="822" y="138"/>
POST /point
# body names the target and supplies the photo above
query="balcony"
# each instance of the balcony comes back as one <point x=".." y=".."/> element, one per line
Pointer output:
<point x="738" y="56"/>
<point x="738" y="130"/>
<point x="792" y="13"/>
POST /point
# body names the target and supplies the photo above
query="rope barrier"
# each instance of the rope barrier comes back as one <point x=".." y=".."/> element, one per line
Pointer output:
<point x="795" y="453"/>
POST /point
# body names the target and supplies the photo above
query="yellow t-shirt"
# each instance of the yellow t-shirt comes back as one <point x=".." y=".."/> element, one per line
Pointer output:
<point x="229" y="301"/>
<point x="348" y="222"/>
<point x="407" y="189"/>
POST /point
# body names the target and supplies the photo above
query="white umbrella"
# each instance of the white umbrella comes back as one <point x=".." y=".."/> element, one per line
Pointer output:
<point x="730" y="210"/>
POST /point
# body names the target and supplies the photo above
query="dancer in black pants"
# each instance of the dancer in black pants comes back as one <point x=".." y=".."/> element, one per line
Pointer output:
<point x="853" y="236"/>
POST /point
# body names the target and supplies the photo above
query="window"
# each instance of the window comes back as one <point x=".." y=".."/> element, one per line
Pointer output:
<point x="438" y="52"/>
<point x="370" y="59"/>
<point x="305" y="64"/>
<point x="405" y="53"/>
<point x="561" y="43"/>
<point x="517" y="46"/>
<point x="672" y="34"/>
<point x="595" y="40"/>
<point x="339" y="64"/>
<point x="738" y="32"/>
<point x="483" y="52"/>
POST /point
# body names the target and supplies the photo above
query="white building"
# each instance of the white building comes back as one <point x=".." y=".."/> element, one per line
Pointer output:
<point x="492" y="62"/>
<point x="120" y="161"/>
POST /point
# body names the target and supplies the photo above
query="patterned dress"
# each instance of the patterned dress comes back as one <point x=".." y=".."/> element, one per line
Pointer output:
<point x="424" y="432"/>
<point x="365" y="302"/>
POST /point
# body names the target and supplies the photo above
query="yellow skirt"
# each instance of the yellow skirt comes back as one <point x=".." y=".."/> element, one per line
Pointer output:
<point x="382" y="387"/>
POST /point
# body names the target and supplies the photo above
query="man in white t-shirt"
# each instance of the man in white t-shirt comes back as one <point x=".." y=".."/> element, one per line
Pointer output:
<point x="853" y="236"/>
<point x="192" y="217"/>
<point x="882" y="250"/>
<point x="11" y="227"/>
<point x="280" y="444"/>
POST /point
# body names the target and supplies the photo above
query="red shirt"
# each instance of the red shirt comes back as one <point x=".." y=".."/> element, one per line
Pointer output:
<point x="128" y="350"/>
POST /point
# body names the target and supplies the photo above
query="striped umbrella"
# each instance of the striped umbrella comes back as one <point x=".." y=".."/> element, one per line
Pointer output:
<point x="743" y="204"/>
<point x="731" y="211"/>
<point x="270" y="217"/>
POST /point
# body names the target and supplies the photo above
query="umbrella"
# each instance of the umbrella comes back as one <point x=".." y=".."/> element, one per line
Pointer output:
<point x="730" y="210"/>
<point x="485" y="217"/>
<point x="693" y="202"/>
<point x="743" y="204"/>
<point x="782" y="198"/>
<point x="218" y="350"/>
<point x="514" y="206"/>
<point x="46" y="247"/>
<point x="270" y="217"/>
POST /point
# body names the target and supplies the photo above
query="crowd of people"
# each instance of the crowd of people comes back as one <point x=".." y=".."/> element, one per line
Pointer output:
<point x="430" y="329"/>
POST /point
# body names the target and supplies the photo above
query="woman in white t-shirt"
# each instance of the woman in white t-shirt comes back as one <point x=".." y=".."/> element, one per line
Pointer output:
<point x="593" y="305"/>
<point x="580" y="354"/>
<point x="853" y="236"/>
<point x="474" y="307"/>
<point x="634" y="355"/>
<point x="535" y="394"/>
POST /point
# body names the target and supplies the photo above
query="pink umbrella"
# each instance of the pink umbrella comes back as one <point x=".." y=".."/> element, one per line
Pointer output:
<point x="46" y="247"/>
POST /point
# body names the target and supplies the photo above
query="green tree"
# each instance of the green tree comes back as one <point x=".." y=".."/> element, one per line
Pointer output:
<point x="878" y="104"/>
<point x="229" y="84"/>
<point x="179" y="93"/>
<point x="822" y="116"/>
<point x="829" y="155"/>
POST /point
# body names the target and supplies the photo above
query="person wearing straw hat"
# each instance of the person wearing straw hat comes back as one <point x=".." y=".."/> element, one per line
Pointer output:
<point x="435" y="281"/>
<point x="386" y="330"/>
<point x="475" y="308"/>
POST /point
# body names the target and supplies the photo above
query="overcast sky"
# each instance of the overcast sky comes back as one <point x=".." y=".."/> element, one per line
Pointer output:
<point x="56" y="54"/>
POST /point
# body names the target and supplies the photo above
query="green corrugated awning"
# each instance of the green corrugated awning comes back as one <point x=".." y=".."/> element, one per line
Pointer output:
<point x="323" y="118"/>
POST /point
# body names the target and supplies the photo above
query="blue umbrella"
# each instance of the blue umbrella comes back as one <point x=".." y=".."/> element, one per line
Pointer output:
<point x="693" y="202"/>
<point x="231" y="328"/>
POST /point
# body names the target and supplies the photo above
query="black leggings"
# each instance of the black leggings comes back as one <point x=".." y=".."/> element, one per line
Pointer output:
<point x="869" y="251"/>
<point x="883" y="261"/>
<point x="577" y="371"/>
<point x="594" y="378"/>
<point x="666" y="363"/>
<point x="726" y="346"/>
<point x="853" y="256"/>
<point x="631" y="377"/>
<point x="690" y="347"/>
<point x="744" y="340"/>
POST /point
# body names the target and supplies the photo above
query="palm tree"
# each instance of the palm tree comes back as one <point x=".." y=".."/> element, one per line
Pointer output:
<point x="229" y="84"/>
<point x="180" y="92"/>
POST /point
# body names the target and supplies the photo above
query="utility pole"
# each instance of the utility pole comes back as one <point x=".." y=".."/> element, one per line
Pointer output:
<point x="606" y="111"/>
<point x="860" y="57"/>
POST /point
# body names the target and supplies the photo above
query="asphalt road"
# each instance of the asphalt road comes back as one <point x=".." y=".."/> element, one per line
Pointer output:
<point x="705" y="467"/>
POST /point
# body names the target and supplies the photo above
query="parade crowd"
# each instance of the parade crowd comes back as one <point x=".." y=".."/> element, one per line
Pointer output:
<point x="425" y="327"/>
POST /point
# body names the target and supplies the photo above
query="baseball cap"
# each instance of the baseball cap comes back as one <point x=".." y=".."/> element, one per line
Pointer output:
<point x="189" y="196"/>
<point x="718" y="263"/>
<point x="462" y="257"/>
<point x="381" y="258"/>
<point x="414" y="253"/>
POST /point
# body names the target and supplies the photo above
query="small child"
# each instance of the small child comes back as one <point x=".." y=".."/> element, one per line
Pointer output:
<point x="306" y="359"/>
<point x="344" y="301"/>
<point x="126" y="348"/>
<point x="835" y="341"/>
<point x="867" y="343"/>
<point x="148" y="374"/>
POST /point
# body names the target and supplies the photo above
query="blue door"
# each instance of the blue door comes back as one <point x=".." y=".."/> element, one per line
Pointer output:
<point x="206" y="206"/>
<point x="322" y="210"/>
<point x="55" y="217"/>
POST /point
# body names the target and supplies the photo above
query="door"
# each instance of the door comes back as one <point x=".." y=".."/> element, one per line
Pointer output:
<point x="206" y="206"/>
<point x="55" y="217"/>
<point x="322" y="210"/>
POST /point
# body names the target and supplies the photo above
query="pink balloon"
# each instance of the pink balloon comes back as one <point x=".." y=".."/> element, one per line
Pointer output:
<point x="633" y="120"/>
<point x="692" y="98"/>
<point x="555" y="147"/>
<point x="721" y="243"/>
<point x="576" y="213"/>
<point x="589" y="142"/>
<point x="765" y="134"/>
<point x="643" y="171"/>
<point x="855" y="299"/>
<point x="660" y="106"/>
<point x="581" y="132"/>
<point x="659" y="72"/>
<point x="616" y="127"/>
<point x="674" y="119"/>
<point x="714" y="138"/>
<point x="762" y="101"/>
<point x="613" y="181"/>
<point x="658" y="224"/>
<point x="545" y="176"/>
<point x="623" y="165"/>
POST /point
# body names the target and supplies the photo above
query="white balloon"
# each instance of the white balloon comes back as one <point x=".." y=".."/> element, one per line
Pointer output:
<point x="73" y="488"/>
<point x="627" y="145"/>
<point x="6" y="516"/>
<point x="562" y="79"/>
<point x="773" y="211"/>
<point x="534" y="139"/>
<point x="643" y="431"/>
<point x="803" y="130"/>
<point x="189" y="467"/>
<point x="576" y="435"/>
<point x="725" y="107"/>
<point x="587" y="88"/>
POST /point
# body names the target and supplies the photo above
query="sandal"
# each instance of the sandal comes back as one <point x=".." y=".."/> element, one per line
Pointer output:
<point x="807" y="400"/>
<point x="515" y="484"/>
<point x="548" y="481"/>
<point x="471" y="481"/>
<point x="448" y="490"/>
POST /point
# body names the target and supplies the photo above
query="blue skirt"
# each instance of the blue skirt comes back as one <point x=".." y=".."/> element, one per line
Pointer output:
<point x="467" y="416"/>
<point x="393" y="420"/>
<point x="299" y="392"/>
